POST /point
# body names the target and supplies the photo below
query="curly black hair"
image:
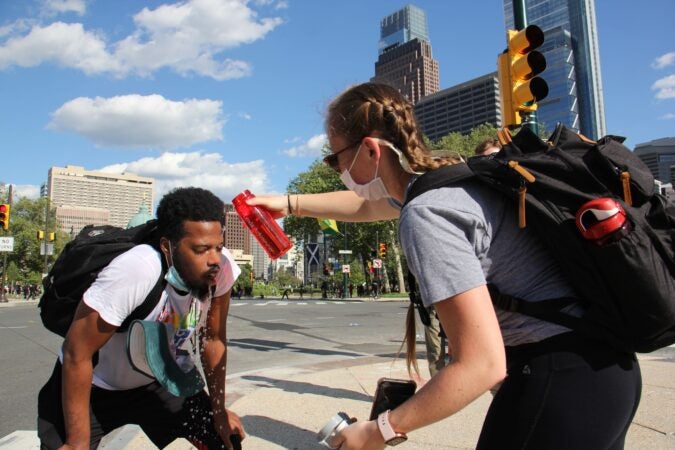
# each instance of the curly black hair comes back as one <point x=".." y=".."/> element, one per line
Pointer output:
<point x="187" y="203"/>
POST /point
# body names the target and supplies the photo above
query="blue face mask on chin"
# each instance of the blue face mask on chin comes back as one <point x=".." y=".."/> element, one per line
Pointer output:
<point x="173" y="277"/>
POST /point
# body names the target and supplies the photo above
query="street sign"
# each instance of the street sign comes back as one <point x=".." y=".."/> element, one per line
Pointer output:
<point x="377" y="263"/>
<point x="6" y="244"/>
<point x="50" y="249"/>
<point x="345" y="268"/>
<point x="345" y="252"/>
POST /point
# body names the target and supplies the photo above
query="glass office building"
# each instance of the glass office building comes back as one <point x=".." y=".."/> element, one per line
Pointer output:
<point x="403" y="26"/>
<point x="405" y="60"/>
<point x="573" y="63"/>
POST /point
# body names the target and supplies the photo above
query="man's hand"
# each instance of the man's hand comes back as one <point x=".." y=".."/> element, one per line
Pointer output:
<point x="226" y="424"/>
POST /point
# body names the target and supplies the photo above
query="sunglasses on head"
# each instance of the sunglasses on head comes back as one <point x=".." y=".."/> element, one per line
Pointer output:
<point x="331" y="160"/>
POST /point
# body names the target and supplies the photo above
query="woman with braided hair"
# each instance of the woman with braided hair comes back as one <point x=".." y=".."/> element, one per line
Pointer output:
<point x="562" y="390"/>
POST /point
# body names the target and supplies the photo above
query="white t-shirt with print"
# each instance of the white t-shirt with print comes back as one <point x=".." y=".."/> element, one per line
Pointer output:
<point x="122" y="286"/>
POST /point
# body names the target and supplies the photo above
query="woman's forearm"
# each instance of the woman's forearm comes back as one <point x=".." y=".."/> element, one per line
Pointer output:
<point x="341" y="205"/>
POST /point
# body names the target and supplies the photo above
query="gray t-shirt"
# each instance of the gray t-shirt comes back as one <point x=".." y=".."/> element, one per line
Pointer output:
<point x="461" y="237"/>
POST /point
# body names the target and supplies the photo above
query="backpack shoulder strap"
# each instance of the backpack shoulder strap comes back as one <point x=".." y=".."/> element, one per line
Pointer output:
<point x="441" y="177"/>
<point x="145" y="308"/>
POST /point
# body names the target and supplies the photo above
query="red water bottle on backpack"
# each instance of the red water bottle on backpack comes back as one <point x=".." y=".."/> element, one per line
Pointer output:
<point x="263" y="226"/>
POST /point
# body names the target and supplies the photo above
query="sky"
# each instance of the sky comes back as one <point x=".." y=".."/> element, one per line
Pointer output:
<point x="230" y="94"/>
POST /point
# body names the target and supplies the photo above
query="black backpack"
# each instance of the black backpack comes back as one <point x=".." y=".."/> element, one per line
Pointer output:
<point x="78" y="265"/>
<point x="627" y="286"/>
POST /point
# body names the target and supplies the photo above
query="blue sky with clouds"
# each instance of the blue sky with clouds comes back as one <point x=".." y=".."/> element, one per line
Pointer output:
<point x="230" y="94"/>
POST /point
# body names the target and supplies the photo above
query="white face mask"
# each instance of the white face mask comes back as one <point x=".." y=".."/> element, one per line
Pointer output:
<point x="372" y="190"/>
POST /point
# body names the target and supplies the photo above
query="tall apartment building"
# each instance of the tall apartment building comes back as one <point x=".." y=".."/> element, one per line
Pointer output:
<point x="237" y="236"/>
<point x="81" y="197"/>
<point x="460" y="108"/>
<point x="405" y="59"/>
<point x="659" y="156"/>
<point x="573" y="63"/>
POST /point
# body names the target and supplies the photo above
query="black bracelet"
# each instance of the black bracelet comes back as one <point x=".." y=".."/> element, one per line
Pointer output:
<point x="288" y="197"/>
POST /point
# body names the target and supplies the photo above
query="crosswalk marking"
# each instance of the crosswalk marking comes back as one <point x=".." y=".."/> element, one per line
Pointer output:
<point x="275" y="303"/>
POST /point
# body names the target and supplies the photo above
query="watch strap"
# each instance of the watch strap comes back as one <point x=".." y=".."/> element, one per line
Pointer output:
<point x="386" y="429"/>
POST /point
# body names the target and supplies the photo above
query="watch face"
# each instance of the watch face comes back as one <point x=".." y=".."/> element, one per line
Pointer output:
<point x="396" y="440"/>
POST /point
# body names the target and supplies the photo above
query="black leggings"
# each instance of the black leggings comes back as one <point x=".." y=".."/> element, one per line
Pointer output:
<point x="565" y="392"/>
<point x="162" y="416"/>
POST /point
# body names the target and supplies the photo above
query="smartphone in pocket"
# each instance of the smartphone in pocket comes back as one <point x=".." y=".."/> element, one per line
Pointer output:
<point x="391" y="393"/>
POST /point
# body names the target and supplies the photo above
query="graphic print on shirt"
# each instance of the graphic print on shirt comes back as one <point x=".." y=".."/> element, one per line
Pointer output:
<point x="183" y="343"/>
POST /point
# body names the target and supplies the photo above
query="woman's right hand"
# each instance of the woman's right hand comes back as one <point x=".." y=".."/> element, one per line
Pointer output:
<point x="277" y="205"/>
<point x="360" y="436"/>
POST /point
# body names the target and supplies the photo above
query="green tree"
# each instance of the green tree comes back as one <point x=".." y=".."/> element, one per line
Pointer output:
<point x="25" y="263"/>
<point x="464" y="144"/>
<point x="361" y="237"/>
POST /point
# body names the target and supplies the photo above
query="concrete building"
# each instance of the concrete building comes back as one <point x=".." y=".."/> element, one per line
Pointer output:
<point x="405" y="59"/>
<point x="81" y="196"/>
<point x="573" y="63"/>
<point x="261" y="261"/>
<point x="237" y="236"/>
<point x="460" y="108"/>
<point x="659" y="156"/>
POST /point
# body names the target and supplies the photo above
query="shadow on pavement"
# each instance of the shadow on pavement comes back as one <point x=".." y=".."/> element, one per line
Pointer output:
<point x="307" y="388"/>
<point x="280" y="433"/>
<point x="264" y="345"/>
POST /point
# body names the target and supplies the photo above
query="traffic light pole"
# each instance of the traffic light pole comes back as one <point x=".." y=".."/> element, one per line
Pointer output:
<point x="3" y="295"/>
<point x="345" y="293"/>
<point x="527" y="119"/>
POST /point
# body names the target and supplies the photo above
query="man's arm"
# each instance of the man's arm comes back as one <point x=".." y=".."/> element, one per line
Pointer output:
<point x="214" y="362"/>
<point x="87" y="334"/>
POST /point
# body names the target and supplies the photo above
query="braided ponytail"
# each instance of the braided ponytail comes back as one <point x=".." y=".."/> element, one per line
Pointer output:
<point x="372" y="107"/>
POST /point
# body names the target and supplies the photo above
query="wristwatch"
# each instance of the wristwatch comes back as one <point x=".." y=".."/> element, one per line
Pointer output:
<point x="390" y="436"/>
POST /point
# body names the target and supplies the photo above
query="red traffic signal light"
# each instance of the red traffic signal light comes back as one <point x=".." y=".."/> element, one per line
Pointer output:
<point x="383" y="250"/>
<point x="4" y="216"/>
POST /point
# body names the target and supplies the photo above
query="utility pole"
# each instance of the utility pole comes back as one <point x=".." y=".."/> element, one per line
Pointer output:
<point x="3" y="295"/>
<point x="46" y="237"/>
<point x="345" y="292"/>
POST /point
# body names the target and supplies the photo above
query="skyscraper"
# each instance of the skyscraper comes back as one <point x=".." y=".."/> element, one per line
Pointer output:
<point x="573" y="63"/>
<point x="403" y="26"/>
<point x="405" y="60"/>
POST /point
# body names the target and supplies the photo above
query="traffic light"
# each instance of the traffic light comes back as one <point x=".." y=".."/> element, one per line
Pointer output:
<point x="250" y="277"/>
<point x="325" y="269"/>
<point x="4" y="216"/>
<point x="40" y="235"/>
<point x="51" y="236"/>
<point x="383" y="250"/>
<point x="518" y="67"/>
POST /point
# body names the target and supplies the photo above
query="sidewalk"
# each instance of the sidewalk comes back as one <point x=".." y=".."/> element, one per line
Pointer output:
<point x="284" y="408"/>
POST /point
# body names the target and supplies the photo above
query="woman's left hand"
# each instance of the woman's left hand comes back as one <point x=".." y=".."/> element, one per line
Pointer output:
<point x="361" y="436"/>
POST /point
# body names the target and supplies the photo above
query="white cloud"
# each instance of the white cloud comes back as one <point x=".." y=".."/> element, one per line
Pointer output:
<point x="245" y="115"/>
<point x="68" y="45"/>
<point x="312" y="147"/>
<point x="665" y="60"/>
<point x="63" y="6"/>
<point x="205" y="170"/>
<point x="137" y="121"/>
<point x="25" y="190"/>
<point x="667" y="116"/>
<point x="187" y="37"/>
<point x="665" y="87"/>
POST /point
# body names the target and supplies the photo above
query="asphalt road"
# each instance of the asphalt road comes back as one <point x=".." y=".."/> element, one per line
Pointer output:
<point x="262" y="334"/>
